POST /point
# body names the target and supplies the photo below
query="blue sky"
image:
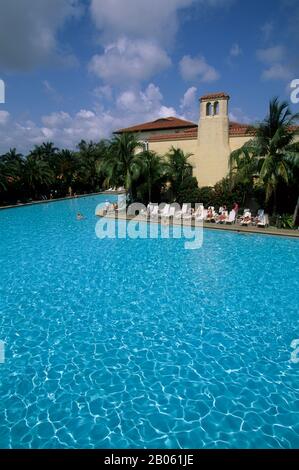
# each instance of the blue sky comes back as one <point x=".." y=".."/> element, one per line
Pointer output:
<point x="82" y="68"/>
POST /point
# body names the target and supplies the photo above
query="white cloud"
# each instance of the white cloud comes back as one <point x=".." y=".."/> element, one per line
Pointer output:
<point x="137" y="18"/>
<point x="28" y="31"/>
<point x="235" y="50"/>
<point x="238" y="115"/>
<point x="129" y="61"/>
<point x="104" y="91"/>
<point x="136" y="35"/>
<point x="146" y="104"/>
<point x="197" y="69"/>
<point x="276" y="61"/>
<point x="4" y="116"/>
<point x="143" y="18"/>
<point x="56" y="119"/>
<point x="85" y="114"/>
<point x="189" y="104"/>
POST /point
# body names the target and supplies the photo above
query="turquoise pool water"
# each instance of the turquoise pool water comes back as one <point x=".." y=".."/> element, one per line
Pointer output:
<point x="141" y="343"/>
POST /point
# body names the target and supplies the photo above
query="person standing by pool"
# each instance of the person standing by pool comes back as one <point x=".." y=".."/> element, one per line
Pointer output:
<point x="236" y="208"/>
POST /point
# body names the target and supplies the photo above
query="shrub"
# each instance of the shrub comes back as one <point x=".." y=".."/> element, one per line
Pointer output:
<point x="286" y="221"/>
<point x="206" y="196"/>
<point x="188" y="191"/>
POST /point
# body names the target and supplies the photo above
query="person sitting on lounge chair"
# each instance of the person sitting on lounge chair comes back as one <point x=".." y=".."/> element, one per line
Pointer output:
<point x="231" y="217"/>
<point x="210" y="214"/>
<point x="247" y="219"/>
<point x="222" y="209"/>
<point x="222" y="217"/>
<point x="199" y="213"/>
<point x="259" y="217"/>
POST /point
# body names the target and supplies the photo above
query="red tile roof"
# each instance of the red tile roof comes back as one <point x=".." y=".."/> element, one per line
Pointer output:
<point x="188" y="129"/>
<point x="237" y="129"/>
<point x="186" y="134"/>
<point x="214" y="96"/>
<point x="159" y="124"/>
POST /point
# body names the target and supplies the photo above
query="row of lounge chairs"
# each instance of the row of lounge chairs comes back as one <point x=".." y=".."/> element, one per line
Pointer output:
<point x="260" y="220"/>
<point x="206" y="215"/>
<point x="200" y="214"/>
<point x="121" y="188"/>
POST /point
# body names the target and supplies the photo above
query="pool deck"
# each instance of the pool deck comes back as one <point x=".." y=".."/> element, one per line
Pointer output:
<point x="213" y="226"/>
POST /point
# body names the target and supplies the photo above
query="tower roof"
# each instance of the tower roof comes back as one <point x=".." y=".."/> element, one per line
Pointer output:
<point x="215" y="96"/>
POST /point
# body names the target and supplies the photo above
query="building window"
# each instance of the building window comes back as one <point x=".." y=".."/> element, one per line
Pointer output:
<point x="145" y="145"/>
<point x="216" y="108"/>
<point x="208" y="109"/>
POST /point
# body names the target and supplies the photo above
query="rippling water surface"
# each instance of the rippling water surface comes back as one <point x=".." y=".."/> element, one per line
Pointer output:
<point x="141" y="343"/>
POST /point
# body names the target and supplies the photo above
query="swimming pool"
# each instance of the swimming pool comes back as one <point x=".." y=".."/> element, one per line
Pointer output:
<point x="141" y="343"/>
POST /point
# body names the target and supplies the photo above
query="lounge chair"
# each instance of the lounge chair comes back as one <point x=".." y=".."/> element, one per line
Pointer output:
<point x="154" y="213"/>
<point x="170" y="213"/>
<point x="122" y="206"/>
<point x="247" y="218"/>
<point x="212" y="217"/>
<point x="222" y="218"/>
<point x="164" y="212"/>
<point x="148" y="210"/>
<point x="231" y="217"/>
<point x="259" y="216"/>
<point x="264" y="221"/>
<point x="182" y="212"/>
<point x="199" y="213"/>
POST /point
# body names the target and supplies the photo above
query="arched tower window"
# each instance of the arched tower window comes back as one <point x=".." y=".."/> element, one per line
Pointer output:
<point x="216" y="108"/>
<point x="208" y="109"/>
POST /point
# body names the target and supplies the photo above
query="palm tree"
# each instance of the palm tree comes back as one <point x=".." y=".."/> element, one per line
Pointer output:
<point x="3" y="177"/>
<point x="46" y="151"/>
<point x="270" y="157"/>
<point x="13" y="163"/>
<point x="154" y="170"/>
<point x="122" y="162"/>
<point x="37" y="175"/>
<point x="65" y="168"/>
<point x="91" y="156"/>
<point x="12" y="156"/>
<point x="178" y="167"/>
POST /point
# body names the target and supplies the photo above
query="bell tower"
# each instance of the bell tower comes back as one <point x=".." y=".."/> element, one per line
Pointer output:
<point x="213" y="139"/>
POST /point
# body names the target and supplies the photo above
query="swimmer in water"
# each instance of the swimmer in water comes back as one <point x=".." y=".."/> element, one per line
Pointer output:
<point x="80" y="216"/>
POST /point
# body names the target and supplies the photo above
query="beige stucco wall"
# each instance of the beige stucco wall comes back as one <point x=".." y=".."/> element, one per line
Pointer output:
<point x="188" y="146"/>
<point x="237" y="142"/>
